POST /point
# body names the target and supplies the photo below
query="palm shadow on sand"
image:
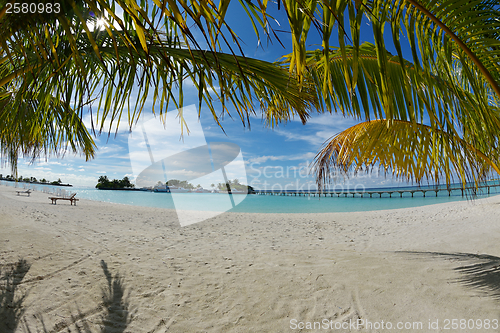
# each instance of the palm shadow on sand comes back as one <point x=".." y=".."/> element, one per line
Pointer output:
<point x="116" y="308"/>
<point x="11" y="309"/>
<point x="478" y="271"/>
<point x="116" y="315"/>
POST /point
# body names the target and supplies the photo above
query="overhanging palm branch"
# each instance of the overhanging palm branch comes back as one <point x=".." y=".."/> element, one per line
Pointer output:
<point x="436" y="30"/>
<point x="440" y="33"/>
<point x="111" y="69"/>
<point x="414" y="93"/>
<point x="455" y="41"/>
<point x="458" y="140"/>
<point x="451" y="87"/>
<point x="40" y="128"/>
<point x="157" y="38"/>
<point x="410" y="151"/>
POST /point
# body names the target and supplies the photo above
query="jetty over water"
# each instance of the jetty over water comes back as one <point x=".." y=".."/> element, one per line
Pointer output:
<point x="389" y="191"/>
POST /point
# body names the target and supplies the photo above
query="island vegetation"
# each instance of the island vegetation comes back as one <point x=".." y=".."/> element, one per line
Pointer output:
<point x="181" y="183"/>
<point x="222" y="187"/>
<point x="235" y="185"/>
<point x="104" y="183"/>
<point x="33" y="180"/>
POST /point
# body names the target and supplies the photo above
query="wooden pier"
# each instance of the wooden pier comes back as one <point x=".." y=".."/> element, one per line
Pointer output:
<point x="380" y="192"/>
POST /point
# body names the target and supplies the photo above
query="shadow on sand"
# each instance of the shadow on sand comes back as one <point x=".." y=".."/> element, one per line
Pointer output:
<point x="115" y="306"/>
<point x="11" y="309"/>
<point x="479" y="271"/>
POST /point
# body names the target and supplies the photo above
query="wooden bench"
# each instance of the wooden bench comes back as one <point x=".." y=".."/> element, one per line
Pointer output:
<point x="71" y="198"/>
<point x="27" y="192"/>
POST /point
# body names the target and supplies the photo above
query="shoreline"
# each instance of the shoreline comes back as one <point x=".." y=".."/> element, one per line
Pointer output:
<point x="271" y="205"/>
<point x="474" y="201"/>
<point x="134" y="268"/>
<point x="36" y="183"/>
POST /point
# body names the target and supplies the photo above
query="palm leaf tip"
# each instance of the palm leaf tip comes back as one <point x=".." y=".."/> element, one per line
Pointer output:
<point x="410" y="151"/>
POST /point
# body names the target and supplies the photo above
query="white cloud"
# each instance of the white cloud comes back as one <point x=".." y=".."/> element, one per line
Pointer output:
<point x="332" y="120"/>
<point x="43" y="168"/>
<point x="323" y="126"/>
<point x="49" y="163"/>
<point x="263" y="159"/>
<point x="184" y="174"/>
<point x="316" y="139"/>
<point x="107" y="125"/>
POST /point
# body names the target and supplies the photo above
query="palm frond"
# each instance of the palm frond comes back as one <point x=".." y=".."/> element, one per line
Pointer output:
<point x="447" y="105"/>
<point x="108" y="72"/>
<point x="40" y="127"/>
<point x="450" y="89"/>
<point x="408" y="151"/>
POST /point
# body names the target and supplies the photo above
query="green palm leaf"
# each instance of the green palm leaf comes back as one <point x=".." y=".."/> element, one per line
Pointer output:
<point x="452" y="111"/>
<point x="40" y="126"/>
<point x="451" y="86"/>
<point x="118" y="69"/>
<point x="406" y="150"/>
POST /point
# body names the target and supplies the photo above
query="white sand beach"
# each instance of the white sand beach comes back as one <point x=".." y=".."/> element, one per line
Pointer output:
<point x="99" y="267"/>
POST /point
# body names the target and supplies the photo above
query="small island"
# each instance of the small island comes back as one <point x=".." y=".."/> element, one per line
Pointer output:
<point x="33" y="180"/>
<point x="124" y="184"/>
<point x="234" y="186"/>
<point x="174" y="186"/>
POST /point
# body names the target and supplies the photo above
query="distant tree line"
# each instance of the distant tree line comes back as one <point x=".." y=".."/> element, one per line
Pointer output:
<point x="105" y="183"/>
<point x="22" y="179"/>
<point x="181" y="183"/>
<point x="178" y="183"/>
<point x="235" y="185"/>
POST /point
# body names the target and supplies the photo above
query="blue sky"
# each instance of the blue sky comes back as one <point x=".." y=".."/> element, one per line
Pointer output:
<point x="272" y="157"/>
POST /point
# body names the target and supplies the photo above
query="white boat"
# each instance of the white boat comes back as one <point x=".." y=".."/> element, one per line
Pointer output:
<point x="161" y="188"/>
<point x="170" y="189"/>
<point x="200" y="190"/>
<point x="175" y="189"/>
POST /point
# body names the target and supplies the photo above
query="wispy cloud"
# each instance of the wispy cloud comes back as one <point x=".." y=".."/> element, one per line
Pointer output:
<point x="319" y="129"/>
<point x="315" y="139"/>
<point x="264" y="159"/>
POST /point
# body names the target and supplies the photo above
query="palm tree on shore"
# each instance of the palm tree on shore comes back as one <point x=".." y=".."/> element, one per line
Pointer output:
<point x="432" y="118"/>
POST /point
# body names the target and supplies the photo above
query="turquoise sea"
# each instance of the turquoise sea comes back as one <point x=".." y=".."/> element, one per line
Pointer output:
<point x="272" y="204"/>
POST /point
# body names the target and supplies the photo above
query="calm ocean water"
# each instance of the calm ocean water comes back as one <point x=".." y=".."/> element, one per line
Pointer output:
<point x="266" y="203"/>
<point x="270" y="204"/>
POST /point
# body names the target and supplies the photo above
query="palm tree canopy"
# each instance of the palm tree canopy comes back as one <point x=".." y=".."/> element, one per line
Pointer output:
<point x="437" y="115"/>
<point x="56" y="67"/>
<point x="437" y="128"/>
<point x="447" y="90"/>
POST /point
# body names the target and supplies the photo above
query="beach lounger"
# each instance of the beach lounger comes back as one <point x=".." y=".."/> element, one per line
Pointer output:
<point x="27" y="192"/>
<point x="71" y="198"/>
